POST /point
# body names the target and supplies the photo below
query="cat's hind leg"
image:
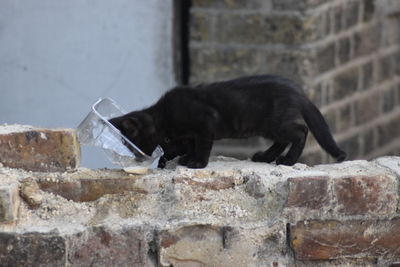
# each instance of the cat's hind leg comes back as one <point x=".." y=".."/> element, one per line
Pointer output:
<point x="297" y="135"/>
<point x="271" y="154"/>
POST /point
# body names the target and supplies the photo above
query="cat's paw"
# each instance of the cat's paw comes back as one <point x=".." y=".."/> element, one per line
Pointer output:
<point x="196" y="164"/>
<point x="282" y="160"/>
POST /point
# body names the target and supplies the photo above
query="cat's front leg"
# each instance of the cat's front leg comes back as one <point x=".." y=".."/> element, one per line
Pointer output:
<point x="202" y="152"/>
<point x="188" y="151"/>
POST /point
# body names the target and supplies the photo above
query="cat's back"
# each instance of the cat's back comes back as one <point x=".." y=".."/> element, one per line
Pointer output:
<point x="265" y="84"/>
<point x="252" y="89"/>
<point x="237" y="93"/>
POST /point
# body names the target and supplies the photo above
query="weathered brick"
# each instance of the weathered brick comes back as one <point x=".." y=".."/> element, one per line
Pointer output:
<point x="397" y="63"/>
<point x="388" y="99"/>
<point x="367" y="41"/>
<point x="398" y="95"/>
<point x="391" y="8"/>
<point x="388" y="131"/>
<point x="283" y="37"/>
<point x="39" y="149"/>
<point x="369" y="141"/>
<point x="337" y="15"/>
<point x="191" y="244"/>
<point x="32" y="249"/>
<point x="352" y="146"/>
<point x="351" y="14"/>
<point x="392" y="29"/>
<point x="369" y="10"/>
<point x="308" y="192"/>
<point x="345" y="83"/>
<point x="289" y="65"/>
<point x="368" y="76"/>
<point x="100" y="246"/>
<point x="385" y="68"/>
<point x="317" y="95"/>
<point x="90" y="189"/>
<point x="367" y="108"/>
<point x="243" y="29"/>
<point x="361" y="195"/>
<point x="261" y="29"/>
<point x="322" y="25"/>
<point x="324" y="240"/>
<point x="296" y="4"/>
<point x="345" y="119"/>
<point x="216" y="184"/>
<point x="212" y="64"/>
<point x="200" y="26"/>
<point x="290" y="29"/>
<point x="325" y="58"/>
<point x="204" y="245"/>
<point x="232" y="4"/>
<point x="344" y="50"/>
<point x="9" y="203"/>
<point x="331" y="118"/>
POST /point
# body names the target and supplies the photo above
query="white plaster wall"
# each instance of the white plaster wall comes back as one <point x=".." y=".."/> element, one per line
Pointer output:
<point x="57" y="57"/>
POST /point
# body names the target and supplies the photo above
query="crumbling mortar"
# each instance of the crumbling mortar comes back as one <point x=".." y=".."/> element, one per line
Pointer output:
<point x="276" y="190"/>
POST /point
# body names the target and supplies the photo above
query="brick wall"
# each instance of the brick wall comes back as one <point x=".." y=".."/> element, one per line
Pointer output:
<point x="232" y="213"/>
<point x="346" y="54"/>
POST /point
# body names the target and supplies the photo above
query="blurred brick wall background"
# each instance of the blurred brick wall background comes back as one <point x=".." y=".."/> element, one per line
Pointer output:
<point x="345" y="53"/>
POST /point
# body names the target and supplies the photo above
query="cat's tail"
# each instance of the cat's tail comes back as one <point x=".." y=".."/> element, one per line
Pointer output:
<point x="321" y="131"/>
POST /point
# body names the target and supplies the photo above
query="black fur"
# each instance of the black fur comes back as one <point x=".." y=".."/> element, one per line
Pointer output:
<point x="186" y="120"/>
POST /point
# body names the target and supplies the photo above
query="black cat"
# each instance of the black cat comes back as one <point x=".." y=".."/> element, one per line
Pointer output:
<point x="186" y="120"/>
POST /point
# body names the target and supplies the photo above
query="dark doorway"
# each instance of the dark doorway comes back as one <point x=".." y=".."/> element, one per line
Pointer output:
<point x="181" y="40"/>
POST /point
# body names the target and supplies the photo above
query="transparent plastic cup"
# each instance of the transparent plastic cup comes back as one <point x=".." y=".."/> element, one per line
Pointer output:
<point x="96" y="130"/>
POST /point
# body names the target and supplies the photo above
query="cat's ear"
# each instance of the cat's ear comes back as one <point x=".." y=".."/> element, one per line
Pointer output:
<point x="131" y="126"/>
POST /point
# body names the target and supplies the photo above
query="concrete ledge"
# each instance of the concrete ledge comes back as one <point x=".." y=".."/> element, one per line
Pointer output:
<point x="232" y="213"/>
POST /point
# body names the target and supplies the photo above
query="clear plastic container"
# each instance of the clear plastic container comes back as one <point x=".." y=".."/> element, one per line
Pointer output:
<point x="96" y="130"/>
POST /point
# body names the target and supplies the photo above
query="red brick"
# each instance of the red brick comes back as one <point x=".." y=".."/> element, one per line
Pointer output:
<point x="308" y="192"/>
<point x="32" y="249"/>
<point x="89" y="189"/>
<point x="366" y="195"/>
<point x="324" y="240"/>
<point x="38" y="149"/>
<point x="217" y="184"/>
<point x="105" y="247"/>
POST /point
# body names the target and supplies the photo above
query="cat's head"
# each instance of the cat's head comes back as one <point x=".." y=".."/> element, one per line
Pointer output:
<point x="139" y="128"/>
